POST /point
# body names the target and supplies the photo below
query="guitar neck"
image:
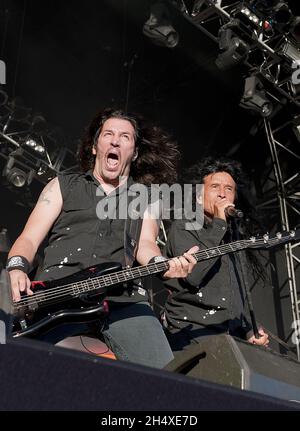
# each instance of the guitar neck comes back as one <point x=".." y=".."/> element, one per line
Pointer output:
<point x="155" y="268"/>
<point x="213" y="252"/>
<point x="221" y="250"/>
<point x="101" y="282"/>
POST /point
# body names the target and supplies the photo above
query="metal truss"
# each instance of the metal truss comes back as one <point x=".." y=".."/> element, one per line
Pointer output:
<point x="272" y="55"/>
<point x="40" y="161"/>
<point x="42" y="169"/>
<point x="284" y="194"/>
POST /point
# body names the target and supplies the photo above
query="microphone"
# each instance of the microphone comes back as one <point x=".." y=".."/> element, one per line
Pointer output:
<point x="231" y="211"/>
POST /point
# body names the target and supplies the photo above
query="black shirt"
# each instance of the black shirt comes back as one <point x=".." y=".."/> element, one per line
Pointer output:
<point x="212" y="295"/>
<point x="79" y="238"/>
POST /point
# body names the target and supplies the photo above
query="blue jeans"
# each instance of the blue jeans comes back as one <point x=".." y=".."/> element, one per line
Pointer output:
<point x="134" y="334"/>
<point x="131" y="331"/>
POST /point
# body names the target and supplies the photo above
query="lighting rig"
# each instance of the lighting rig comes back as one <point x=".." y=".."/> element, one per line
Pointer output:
<point x="32" y="149"/>
<point x="263" y="38"/>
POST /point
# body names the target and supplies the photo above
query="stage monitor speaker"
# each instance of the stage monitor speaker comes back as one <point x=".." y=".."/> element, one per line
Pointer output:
<point x="37" y="376"/>
<point x="230" y="361"/>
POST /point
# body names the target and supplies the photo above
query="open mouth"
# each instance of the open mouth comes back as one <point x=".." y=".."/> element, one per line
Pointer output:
<point x="112" y="160"/>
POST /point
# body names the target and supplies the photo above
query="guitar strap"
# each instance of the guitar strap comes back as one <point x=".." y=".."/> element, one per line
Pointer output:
<point x="132" y="233"/>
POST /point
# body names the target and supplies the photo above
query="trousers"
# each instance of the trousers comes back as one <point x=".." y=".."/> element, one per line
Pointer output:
<point x="131" y="331"/>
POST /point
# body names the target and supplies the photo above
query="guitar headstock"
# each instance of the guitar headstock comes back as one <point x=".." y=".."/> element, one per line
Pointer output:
<point x="266" y="241"/>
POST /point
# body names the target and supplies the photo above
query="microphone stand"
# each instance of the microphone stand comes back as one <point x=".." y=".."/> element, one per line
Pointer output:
<point x="241" y="257"/>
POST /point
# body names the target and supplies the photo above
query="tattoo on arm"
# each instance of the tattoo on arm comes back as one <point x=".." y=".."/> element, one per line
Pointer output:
<point x="45" y="195"/>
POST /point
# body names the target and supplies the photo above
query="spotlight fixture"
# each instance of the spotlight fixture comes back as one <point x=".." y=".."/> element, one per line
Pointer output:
<point x="251" y="17"/>
<point x="277" y="11"/>
<point x="235" y="50"/>
<point x="158" y="27"/>
<point x="31" y="143"/>
<point x="290" y="52"/>
<point x="254" y="98"/>
<point x="16" y="177"/>
<point x="247" y="15"/>
<point x="281" y="13"/>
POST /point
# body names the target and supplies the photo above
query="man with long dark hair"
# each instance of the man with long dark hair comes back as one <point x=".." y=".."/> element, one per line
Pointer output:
<point x="118" y="150"/>
<point x="212" y="299"/>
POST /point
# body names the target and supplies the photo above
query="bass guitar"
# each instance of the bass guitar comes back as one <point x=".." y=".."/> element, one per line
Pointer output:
<point x="81" y="297"/>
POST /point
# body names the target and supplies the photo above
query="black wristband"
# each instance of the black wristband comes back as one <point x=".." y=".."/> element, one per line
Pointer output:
<point x="158" y="259"/>
<point x="18" y="262"/>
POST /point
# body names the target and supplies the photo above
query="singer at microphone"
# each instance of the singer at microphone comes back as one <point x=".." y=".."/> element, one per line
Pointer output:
<point x="231" y="211"/>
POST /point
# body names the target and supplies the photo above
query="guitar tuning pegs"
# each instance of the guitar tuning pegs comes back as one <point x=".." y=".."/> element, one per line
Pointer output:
<point x="266" y="237"/>
<point x="252" y="239"/>
<point x="279" y="235"/>
<point x="292" y="233"/>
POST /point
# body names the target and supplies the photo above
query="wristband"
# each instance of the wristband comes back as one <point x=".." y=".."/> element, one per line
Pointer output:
<point x="18" y="262"/>
<point x="158" y="259"/>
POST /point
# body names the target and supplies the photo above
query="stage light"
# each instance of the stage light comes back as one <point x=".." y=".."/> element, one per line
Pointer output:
<point x="16" y="177"/>
<point x="235" y="50"/>
<point x="31" y="143"/>
<point x="250" y="16"/>
<point x="254" y="98"/>
<point x="277" y="11"/>
<point x="158" y="27"/>
<point x="290" y="52"/>
<point x="40" y="149"/>
<point x="281" y="13"/>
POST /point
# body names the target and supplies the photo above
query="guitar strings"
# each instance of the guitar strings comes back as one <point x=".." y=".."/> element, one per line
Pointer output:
<point x="103" y="281"/>
<point x="114" y="278"/>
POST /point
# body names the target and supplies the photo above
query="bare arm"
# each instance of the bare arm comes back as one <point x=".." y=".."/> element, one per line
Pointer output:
<point x="179" y="267"/>
<point x="38" y="225"/>
<point x="147" y="245"/>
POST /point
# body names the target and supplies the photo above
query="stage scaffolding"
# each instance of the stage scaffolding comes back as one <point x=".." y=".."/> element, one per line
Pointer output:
<point x="273" y="58"/>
